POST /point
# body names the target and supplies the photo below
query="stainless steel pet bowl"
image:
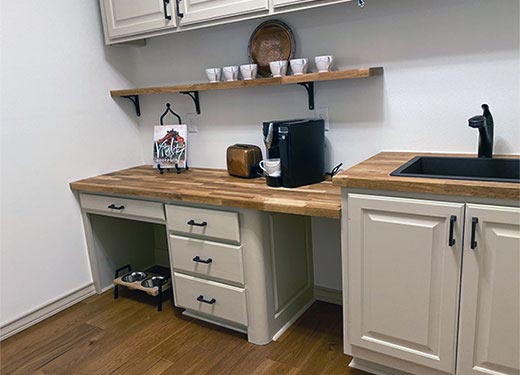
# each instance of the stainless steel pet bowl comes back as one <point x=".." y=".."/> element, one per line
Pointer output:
<point x="134" y="276"/>
<point x="153" y="281"/>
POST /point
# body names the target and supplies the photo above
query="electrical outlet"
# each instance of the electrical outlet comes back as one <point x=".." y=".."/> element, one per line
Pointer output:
<point x="191" y="121"/>
<point x="323" y="113"/>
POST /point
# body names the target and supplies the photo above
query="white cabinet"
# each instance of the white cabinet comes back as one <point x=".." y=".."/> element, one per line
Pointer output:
<point x="129" y="17"/>
<point x="404" y="277"/>
<point x="127" y="20"/>
<point x="402" y="262"/>
<point x="195" y="11"/>
<point x="489" y="340"/>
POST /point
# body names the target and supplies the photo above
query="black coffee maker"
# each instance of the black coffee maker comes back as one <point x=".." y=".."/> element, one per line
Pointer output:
<point x="300" y="145"/>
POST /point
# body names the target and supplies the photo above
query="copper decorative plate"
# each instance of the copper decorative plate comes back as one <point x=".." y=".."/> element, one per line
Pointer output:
<point x="271" y="41"/>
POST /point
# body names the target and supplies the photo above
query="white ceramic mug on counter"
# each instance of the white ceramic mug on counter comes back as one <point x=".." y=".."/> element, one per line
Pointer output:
<point x="230" y="73"/>
<point x="299" y="66"/>
<point x="248" y="71"/>
<point x="278" y="68"/>
<point x="273" y="167"/>
<point x="213" y="74"/>
<point x="324" y="63"/>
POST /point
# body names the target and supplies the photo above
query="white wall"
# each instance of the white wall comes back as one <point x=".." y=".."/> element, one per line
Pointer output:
<point x="442" y="59"/>
<point x="58" y="124"/>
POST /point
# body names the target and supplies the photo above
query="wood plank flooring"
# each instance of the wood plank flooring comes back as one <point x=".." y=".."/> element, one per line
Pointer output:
<point x="127" y="336"/>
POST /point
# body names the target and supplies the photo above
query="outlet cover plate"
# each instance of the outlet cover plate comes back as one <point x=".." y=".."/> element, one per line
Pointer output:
<point x="323" y="113"/>
<point x="191" y="122"/>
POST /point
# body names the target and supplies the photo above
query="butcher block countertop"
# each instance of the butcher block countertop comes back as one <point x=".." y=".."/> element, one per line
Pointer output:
<point x="374" y="173"/>
<point x="216" y="187"/>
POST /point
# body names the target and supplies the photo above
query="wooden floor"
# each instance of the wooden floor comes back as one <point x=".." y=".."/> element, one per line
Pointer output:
<point x="127" y="336"/>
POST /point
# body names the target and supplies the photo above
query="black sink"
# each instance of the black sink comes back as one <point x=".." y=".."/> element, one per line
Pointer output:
<point x="482" y="169"/>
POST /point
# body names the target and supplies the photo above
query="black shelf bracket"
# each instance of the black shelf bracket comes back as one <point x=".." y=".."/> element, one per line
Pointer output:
<point x="309" y="86"/>
<point x="194" y="95"/>
<point x="135" y="100"/>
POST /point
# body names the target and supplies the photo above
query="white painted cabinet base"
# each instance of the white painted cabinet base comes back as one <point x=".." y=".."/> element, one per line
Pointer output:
<point x="261" y="268"/>
<point x="403" y="260"/>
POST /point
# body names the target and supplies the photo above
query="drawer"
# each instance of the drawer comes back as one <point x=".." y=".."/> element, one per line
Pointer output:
<point x="210" y="259"/>
<point x="211" y="298"/>
<point x="123" y="207"/>
<point x="199" y="222"/>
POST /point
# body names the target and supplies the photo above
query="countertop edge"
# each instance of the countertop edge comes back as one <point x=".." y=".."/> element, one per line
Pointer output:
<point x="370" y="179"/>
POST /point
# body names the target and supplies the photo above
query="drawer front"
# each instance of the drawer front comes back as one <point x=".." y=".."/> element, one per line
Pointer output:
<point x="210" y="259"/>
<point x="199" y="222"/>
<point x="123" y="207"/>
<point x="209" y="297"/>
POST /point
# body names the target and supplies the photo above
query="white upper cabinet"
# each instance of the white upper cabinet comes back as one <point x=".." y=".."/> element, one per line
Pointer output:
<point x="489" y="340"/>
<point x="129" y="17"/>
<point x="404" y="260"/>
<point x="195" y="11"/>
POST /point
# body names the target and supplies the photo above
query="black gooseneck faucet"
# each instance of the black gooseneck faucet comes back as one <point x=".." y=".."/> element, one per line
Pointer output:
<point x="484" y="124"/>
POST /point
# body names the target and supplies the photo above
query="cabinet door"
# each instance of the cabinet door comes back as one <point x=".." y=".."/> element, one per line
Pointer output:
<point x="128" y="17"/>
<point x="403" y="278"/>
<point x="206" y="10"/>
<point x="489" y="334"/>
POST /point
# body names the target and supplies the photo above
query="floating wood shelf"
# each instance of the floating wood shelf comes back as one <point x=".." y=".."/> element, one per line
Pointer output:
<point x="193" y="89"/>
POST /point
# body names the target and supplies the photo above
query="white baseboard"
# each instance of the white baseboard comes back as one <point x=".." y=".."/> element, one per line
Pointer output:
<point x="45" y="311"/>
<point x="329" y="295"/>
<point x="292" y="320"/>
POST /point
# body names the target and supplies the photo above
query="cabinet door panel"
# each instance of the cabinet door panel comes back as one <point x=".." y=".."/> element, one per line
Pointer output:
<point x="127" y="17"/>
<point x="404" y="278"/>
<point x="206" y="10"/>
<point x="490" y="301"/>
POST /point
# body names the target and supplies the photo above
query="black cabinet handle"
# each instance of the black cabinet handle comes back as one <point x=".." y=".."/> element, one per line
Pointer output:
<point x="210" y="302"/>
<point x="198" y="260"/>
<point x="178" y="9"/>
<point x="114" y="207"/>
<point x="474" y="222"/>
<point x="451" y="240"/>
<point x="192" y="222"/>
<point x="166" y="15"/>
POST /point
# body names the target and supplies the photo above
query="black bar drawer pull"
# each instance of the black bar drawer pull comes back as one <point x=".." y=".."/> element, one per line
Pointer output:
<point x="198" y="260"/>
<point x="178" y="8"/>
<point x="210" y="302"/>
<point x="114" y="207"/>
<point x="192" y="222"/>
<point x="451" y="240"/>
<point x="165" y="4"/>
<point x="474" y="222"/>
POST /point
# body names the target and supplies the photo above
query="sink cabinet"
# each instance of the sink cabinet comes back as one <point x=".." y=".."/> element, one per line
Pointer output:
<point x="489" y="341"/>
<point x="410" y="269"/>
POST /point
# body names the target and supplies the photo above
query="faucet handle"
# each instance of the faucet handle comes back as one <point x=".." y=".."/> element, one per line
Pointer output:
<point x="478" y="121"/>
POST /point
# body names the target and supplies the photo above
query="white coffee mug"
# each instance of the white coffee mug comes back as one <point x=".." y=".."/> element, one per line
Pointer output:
<point x="248" y="71"/>
<point x="299" y="66"/>
<point x="273" y="167"/>
<point x="324" y="63"/>
<point x="278" y="68"/>
<point x="230" y="73"/>
<point x="213" y="74"/>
